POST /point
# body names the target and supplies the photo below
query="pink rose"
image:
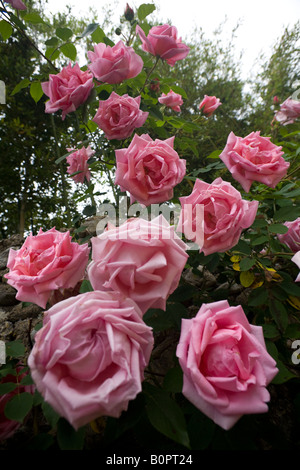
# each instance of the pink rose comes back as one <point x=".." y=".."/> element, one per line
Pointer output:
<point x="225" y="215"/>
<point x="173" y="100"/>
<point x="292" y="237"/>
<point x="46" y="262"/>
<point x="67" y="90"/>
<point x="149" y="169"/>
<point x="254" y="158"/>
<point x="289" y="112"/>
<point x="162" y="41"/>
<point x="118" y="116"/>
<point x="225" y="364"/>
<point x="78" y="161"/>
<point x="114" y="64"/>
<point x="209" y="104"/>
<point x="89" y="357"/>
<point x="296" y="260"/>
<point x="8" y="426"/>
<point x="143" y="260"/>
<point x="17" y="4"/>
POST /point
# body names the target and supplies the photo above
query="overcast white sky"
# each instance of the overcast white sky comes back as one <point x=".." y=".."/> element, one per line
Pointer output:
<point x="262" y="21"/>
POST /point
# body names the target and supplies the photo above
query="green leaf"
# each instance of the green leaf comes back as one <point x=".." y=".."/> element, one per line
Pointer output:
<point x="22" y="84"/>
<point x="278" y="228"/>
<point x="270" y="331"/>
<point x="91" y="28"/>
<point x="5" y="29"/>
<point x="51" y="416"/>
<point x="15" y="349"/>
<point x="173" y="381"/>
<point x="68" y="438"/>
<point x="287" y="213"/>
<point x="283" y="375"/>
<point x="33" y="18"/>
<point x="64" y="33"/>
<point x="36" y="91"/>
<point x="98" y="35"/>
<point x="86" y="286"/>
<point x="290" y="288"/>
<point x="144" y="10"/>
<point x="279" y="313"/>
<point x="69" y="50"/>
<point x="52" y="53"/>
<point x="7" y="387"/>
<point x="52" y="41"/>
<point x="214" y="154"/>
<point x="89" y="210"/>
<point x="18" y="406"/>
<point x="165" y="415"/>
<point x="246" y="264"/>
<point x="259" y="240"/>
<point x="258" y="297"/>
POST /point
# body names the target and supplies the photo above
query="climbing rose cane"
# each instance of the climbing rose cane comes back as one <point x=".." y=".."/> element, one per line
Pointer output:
<point x="254" y="158"/>
<point x="225" y="364"/>
<point x="46" y="262"/>
<point x="142" y="259"/>
<point x="67" y="90"/>
<point x="89" y="357"/>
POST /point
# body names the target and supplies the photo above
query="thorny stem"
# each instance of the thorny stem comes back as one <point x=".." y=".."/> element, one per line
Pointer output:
<point x="149" y="73"/>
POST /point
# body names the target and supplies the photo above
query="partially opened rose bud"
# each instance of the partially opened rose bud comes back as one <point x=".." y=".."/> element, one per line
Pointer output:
<point x="129" y="13"/>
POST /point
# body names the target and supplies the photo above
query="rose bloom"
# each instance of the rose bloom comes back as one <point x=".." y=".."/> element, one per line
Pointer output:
<point x="289" y="112"/>
<point x="254" y="158"/>
<point x="67" y="90"/>
<point x="162" y="41"/>
<point x="225" y="364"/>
<point x="209" y="104"/>
<point x="118" y="116"/>
<point x="78" y="161"/>
<point x="114" y="64"/>
<point x="296" y="260"/>
<point x="7" y="426"/>
<point x="46" y="262"/>
<point x="89" y="357"/>
<point x="225" y="215"/>
<point x="172" y="100"/>
<point x="149" y="169"/>
<point x="143" y="260"/>
<point x="292" y="237"/>
<point x="17" y="4"/>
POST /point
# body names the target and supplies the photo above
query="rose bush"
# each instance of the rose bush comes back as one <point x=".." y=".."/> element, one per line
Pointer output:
<point x="89" y="357"/>
<point x="254" y="158"/>
<point x="162" y="41"/>
<point x="119" y="116"/>
<point x="149" y="169"/>
<point x="225" y="215"/>
<point x="225" y="363"/>
<point x="143" y="260"/>
<point x="68" y="89"/>
<point x="46" y="262"/>
<point x="209" y="104"/>
<point x="114" y="64"/>
<point x="78" y="163"/>
<point x="172" y="100"/>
